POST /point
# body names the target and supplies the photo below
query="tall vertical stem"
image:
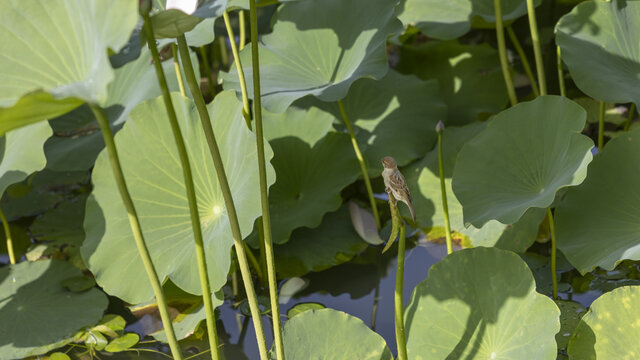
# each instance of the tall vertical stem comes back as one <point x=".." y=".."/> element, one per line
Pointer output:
<point x="632" y="111"/>
<point x="136" y="229"/>
<point x="443" y="190"/>
<point x="399" y="317"/>
<point x="190" y="190"/>
<point x="552" y="229"/>
<point x="226" y="194"/>
<point x="246" y="111"/>
<point x="563" y="91"/>
<point x="537" y="51"/>
<point x="207" y="70"/>
<point x="262" y="170"/>
<point x="224" y="55"/>
<point x="502" y="50"/>
<point x="7" y="234"/>
<point x="601" y="126"/>
<point x="243" y="29"/>
<point x="363" y="165"/>
<point x="176" y="66"/>
<point x="523" y="59"/>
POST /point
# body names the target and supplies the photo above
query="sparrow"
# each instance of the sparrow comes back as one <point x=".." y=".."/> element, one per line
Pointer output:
<point x="396" y="184"/>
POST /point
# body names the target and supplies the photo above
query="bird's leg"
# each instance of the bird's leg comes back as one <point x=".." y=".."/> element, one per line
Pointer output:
<point x="392" y="199"/>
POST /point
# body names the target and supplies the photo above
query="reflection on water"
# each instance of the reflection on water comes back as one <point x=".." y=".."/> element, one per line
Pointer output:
<point x="353" y="287"/>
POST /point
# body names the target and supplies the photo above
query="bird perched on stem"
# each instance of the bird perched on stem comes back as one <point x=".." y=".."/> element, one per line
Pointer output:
<point x="396" y="184"/>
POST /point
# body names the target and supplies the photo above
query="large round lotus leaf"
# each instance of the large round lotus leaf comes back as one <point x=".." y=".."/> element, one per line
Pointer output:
<point x="312" y="166"/>
<point x="599" y="42"/>
<point x="329" y="334"/>
<point x="480" y="304"/>
<point x="470" y="77"/>
<point x="427" y="200"/>
<point x="597" y="223"/>
<point x="58" y="47"/>
<point x="386" y="110"/>
<point x="450" y="19"/>
<point x="21" y="153"/>
<point x="77" y="138"/>
<point x="36" y="310"/>
<point x="319" y="48"/>
<point x="423" y="178"/>
<point x="154" y="177"/>
<point x="521" y="159"/>
<point x="610" y="329"/>
<point x="332" y="243"/>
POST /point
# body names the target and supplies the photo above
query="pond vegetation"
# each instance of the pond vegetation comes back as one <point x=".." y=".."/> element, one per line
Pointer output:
<point x="204" y="179"/>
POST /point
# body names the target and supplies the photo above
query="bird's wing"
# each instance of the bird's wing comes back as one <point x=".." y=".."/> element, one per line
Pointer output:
<point x="399" y="183"/>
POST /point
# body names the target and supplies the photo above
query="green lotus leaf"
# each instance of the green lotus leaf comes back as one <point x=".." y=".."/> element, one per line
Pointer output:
<point x="43" y="190"/>
<point x="446" y="20"/>
<point x="172" y="23"/>
<point x="610" y="328"/>
<point x="31" y="288"/>
<point x="21" y="153"/>
<point x="470" y="77"/>
<point x="570" y="314"/>
<point x="59" y="232"/>
<point x="330" y="335"/>
<point x="332" y="243"/>
<point x="423" y="178"/>
<point x="188" y="320"/>
<point x="154" y="177"/>
<point x="598" y="221"/>
<point x="122" y="343"/>
<point x="77" y="139"/>
<point x="58" y="48"/>
<point x="312" y="164"/>
<point x="599" y="46"/>
<point x="480" y="304"/>
<point x="319" y="48"/>
<point x="395" y="116"/>
<point x="302" y="307"/>
<point x="521" y="159"/>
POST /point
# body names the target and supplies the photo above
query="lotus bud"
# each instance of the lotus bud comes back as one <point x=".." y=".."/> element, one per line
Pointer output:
<point x="440" y="127"/>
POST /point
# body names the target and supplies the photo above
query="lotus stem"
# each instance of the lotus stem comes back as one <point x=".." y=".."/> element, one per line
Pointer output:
<point x="262" y="170"/>
<point x="537" y="51"/>
<point x="176" y="66"/>
<point x="552" y="230"/>
<point x="243" y="29"/>
<point x="103" y="121"/>
<point x="443" y="189"/>
<point x="246" y="111"/>
<point x="7" y="234"/>
<point x="363" y="165"/>
<point x="207" y="70"/>
<point x="205" y="286"/>
<point x="563" y="91"/>
<point x="226" y="194"/>
<point x="632" y="111"/>
<point x="224" y="55"/>
<point x="502" y="50"/>
<point x="601" y="126"/>
<point x="254" y="262"/>
<point x="399" y="317"/>
<point x="523" y="58"/>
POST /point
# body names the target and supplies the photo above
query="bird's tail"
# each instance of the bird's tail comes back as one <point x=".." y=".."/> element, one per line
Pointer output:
<point x="413" y="213"/>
